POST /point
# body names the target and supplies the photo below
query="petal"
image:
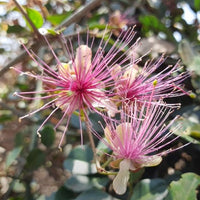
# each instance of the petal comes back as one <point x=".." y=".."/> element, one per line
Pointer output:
<point x="108" y="135"/>
<point x="116" y="70"/>
<point x="131" y="74"/>
<point x="122" y="130"/>
<point x="115" y="163"/>
<point x="150" y="161"/>
<point x="83" y="57"/>
<point x="121" y="180"/>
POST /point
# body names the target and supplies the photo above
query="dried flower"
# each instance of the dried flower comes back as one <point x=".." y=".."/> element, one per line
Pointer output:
<point x="138" y="140"/>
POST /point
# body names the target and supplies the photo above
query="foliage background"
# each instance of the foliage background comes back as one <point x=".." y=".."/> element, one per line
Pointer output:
<point x="35" y="169"/>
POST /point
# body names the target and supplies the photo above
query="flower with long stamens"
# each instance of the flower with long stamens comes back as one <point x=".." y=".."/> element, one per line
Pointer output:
<point x="136" y="83"/>
<point x="79" y="84"/>
<point x="139" y="139"/>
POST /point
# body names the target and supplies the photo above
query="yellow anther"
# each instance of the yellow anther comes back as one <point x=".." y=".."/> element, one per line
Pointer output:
<point x="192" y="95"/>
<point x="69" y="93"/>
<point x="155" y="83"/>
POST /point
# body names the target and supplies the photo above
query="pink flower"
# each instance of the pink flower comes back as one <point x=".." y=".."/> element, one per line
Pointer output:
<point x="79" y="85"/>
<point x="138" y="140"/>
<point x="137" y="83"/>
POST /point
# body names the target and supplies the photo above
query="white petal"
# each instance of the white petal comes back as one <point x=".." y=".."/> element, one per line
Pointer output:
<point x="150" y="161"/>
<point x="122" y="130"/>
<point x="121" y="180"/>
<point x="83" y="57"/>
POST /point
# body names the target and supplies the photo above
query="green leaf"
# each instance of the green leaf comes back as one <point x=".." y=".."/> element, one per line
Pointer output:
<point x="35" y="17"/>
<point x="78" y="183"/>
<point x="94" y="194"/>
<point x="197" y="5"/>
<point x="57" y="19"/>
<point x="82" y="152"/>
<point x="79" y="167"/>
<point x="20" y="139"/>
<point x="195" y="131"/>
<point x="185" y="188"/>
<point x="100" y="182"/>
<point x="22" y="86"/>
<point x="95" y="119"/>
<point x="194" y="65"/>
<point x="74" y="121"/>
<point x="136" y="176"/>
<point x="187" y="131"/>
<point x="97" y="25"/>
<point x="18" y="187"/>
<point x="62" y="194"/>
<point x="5" y="117"/>
<point x="93" y="22"/>
<point x="52" y="32"/>
<point x="12" y="155"/>
<point x="35" y="159"/>
<point x="15" y="29"/>
<point x="152" y="23"/>
<point x="48" y="135"/>
<point x="16" y="198"/>
<point x="149" y="189"/>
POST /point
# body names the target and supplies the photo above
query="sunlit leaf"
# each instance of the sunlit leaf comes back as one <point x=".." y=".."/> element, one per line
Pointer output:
<point x="52" y="32"/>
<point x="197" y="5"/>
<point x="57" y="19"/>
<point x="184" y="188"/>
<point x="35" y="17"/>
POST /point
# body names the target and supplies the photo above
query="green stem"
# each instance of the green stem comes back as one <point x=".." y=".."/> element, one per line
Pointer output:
<point x="107" y="162"/>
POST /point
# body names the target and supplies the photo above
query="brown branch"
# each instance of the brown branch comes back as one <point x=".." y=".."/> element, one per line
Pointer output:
<point x="72" y="19"/>
<point x="19" y="58"/>
<point x="81" y="12"/>
<point x="35" y="30"/>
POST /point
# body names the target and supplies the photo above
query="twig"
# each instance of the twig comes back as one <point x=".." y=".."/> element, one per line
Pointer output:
<point x="99" y="168"/>
<point x="92" y="143"/>
<point x="35" y="30"/>
<point x="20" y="58"/>
<point x="72" y="19"/>
<point x="77" y="15"/>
